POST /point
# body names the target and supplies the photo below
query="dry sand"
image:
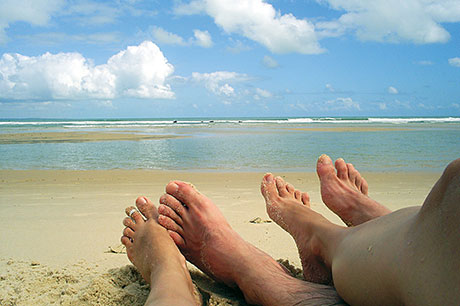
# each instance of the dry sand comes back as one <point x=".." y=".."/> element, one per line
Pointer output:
<point x="58" y="228"/>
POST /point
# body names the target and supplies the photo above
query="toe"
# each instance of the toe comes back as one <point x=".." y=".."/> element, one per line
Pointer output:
<point x="306" y="199"/>
<point x="132" y="212"/>
<point x="146" y="207"/>
<point x="353" y="174"/>
<point x="358" y="182"/>
<point x="281" y="186"/>
<point x="169" y="212"/>
<point x="174" y="204"/>
<point x="178" y="240"/>
<point x="297" y="194"/>
<point x="290" y="188"/>
<point x="324" y="167"/>
<point x="128" y="222"/>
<point x="126" y="241"/>
<point x="170" y="225"/>
<point x="128" y="232"/>
<point x="342" y="169"/>
<point x="268" y="188"/>
<point x="364" y="187"/>
<point x="185" y="193"/>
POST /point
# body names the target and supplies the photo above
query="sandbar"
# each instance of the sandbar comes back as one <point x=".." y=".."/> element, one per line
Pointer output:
<point x="53" y="137"/>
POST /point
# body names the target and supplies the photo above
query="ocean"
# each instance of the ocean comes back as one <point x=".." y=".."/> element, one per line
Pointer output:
<point x="238" y="144"/>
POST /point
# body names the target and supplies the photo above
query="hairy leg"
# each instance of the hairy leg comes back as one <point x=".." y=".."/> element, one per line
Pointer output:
<point x="156" y="257"/>
<point x="207" y="240"/>
<point x="345" y="192"/>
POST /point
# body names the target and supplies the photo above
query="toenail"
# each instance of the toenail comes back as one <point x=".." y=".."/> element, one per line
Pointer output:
<point x="322" y="158"/>
<point x="269" y="177"/>
<point x="141" y="201"/>
<point x="132" y="211"/>
<point x="174" y="186"/>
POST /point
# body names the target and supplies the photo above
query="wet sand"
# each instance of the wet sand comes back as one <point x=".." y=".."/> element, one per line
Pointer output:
<point x="59" y="227"/>
<point x="54" y="137"/>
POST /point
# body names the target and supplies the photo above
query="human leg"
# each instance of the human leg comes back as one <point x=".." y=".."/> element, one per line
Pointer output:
<point x="345" y="192"/>
<point x="421" y="248"/>
<point x="207" y="240"/>
<point x="153" y="252"/>
<point x="407" y="257"/>
<point x="294" y="215"/>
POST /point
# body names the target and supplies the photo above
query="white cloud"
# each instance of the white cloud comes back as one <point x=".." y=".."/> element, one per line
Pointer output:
<point x="92" y="13"/>
<point x="260" y="22"/>
<point x="403" y="104"/>
<point x="421" y="105"/>
<point x="37" y="13"/>
<point x="262" y="93"/>
<point x="392" y="90"/>
<point x="105" y="104"/>
<point x="424" y="63"/>
<point x="162" y="36"/>
<point x="192" y="8"/>
<point x="330" y="88"/>
<point x="219" y="82"/>
<point x="455" y="61"/>
<point x="270" y="62"/>
<point x="139" y="72"/>
<point x="342" y="104"/>
<point x="53" y="38"/>
<point x="237" y="47"/>
<point x="203" y="38"/>
<point x="382" y="106"/>
<point x="455" y="105"/>
<point x="417" y="21"/>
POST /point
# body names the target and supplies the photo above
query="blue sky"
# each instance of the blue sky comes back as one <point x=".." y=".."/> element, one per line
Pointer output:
<point x="208" y="58"/>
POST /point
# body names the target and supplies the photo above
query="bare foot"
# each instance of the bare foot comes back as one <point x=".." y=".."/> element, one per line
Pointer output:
<point x="345" y="192"/>
<point x="156" y="257"/>
<point x="291" y="210"/>
<point x="207" y="240"/>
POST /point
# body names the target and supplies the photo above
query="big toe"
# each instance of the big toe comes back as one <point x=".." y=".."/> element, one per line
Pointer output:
<point x="268" y="188"/>
<point x="147" y="208"/>
<point x="186" y="193"/>
<point x="325" y="167"/>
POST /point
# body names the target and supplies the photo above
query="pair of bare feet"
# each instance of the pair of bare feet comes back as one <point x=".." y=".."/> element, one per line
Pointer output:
<point x="205" y="238"/>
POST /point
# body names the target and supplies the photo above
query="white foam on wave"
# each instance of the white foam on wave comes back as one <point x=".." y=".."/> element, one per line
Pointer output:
<point x="300" y="120"/>
<point x="179" y="122"/>
<point x="413" y="120"/>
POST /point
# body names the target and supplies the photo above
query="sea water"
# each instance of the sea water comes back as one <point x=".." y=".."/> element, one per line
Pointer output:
<point x="239" y="144"/>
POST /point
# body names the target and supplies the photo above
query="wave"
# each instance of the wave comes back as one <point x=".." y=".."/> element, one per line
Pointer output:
<point x="234" y="121"/>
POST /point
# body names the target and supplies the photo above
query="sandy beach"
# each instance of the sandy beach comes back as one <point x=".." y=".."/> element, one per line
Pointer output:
<point x="61" y="228"/>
